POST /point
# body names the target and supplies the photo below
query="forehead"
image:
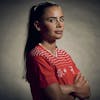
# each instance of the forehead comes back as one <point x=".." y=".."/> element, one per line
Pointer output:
<point x="54" y="11"/>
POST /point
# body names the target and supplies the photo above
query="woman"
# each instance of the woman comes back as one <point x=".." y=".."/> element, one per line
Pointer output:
<point x="51" y="72"/>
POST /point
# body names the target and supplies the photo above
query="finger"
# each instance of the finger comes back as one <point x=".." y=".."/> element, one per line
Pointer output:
<point x="82" y="80"/>
<point x="86" y="83"/>
<point x="77" y="77"/>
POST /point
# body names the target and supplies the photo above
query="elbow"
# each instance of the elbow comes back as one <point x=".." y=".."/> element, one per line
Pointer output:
<point x="86" y="95"/>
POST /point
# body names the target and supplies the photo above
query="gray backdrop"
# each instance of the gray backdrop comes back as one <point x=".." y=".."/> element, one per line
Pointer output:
<point x="81" y="40"/>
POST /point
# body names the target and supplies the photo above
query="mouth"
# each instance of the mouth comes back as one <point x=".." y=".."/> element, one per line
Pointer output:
<point x="59" y="32"/>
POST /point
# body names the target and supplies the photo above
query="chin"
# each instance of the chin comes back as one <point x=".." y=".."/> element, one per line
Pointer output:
<point x="58" y="37"/>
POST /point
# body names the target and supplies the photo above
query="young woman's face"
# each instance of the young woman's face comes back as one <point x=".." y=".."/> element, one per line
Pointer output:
<point x="52" y="24"/>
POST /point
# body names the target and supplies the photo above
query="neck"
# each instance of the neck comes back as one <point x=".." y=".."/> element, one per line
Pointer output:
<point x="49" y="45"/>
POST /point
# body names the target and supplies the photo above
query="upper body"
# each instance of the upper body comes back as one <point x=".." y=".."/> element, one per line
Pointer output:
<point x="51" y="72"/>
<point x="47" y="69"/>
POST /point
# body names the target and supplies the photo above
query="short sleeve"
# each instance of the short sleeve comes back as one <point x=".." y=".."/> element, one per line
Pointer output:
<point x="44" y="72"/>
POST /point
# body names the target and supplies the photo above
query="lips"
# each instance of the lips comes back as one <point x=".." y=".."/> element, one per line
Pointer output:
<point x="59" y="32"/>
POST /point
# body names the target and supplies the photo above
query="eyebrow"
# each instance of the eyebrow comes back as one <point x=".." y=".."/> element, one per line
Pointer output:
<point x="54" y="17"/>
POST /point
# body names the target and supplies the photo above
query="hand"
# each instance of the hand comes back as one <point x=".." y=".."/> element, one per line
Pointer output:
<point x="80" y="81"/>
<point x="81" y="86"/>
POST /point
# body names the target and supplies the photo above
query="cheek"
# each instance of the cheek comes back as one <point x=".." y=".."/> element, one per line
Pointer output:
<point x="62" y="25"/>
<point x="48" y="28"/>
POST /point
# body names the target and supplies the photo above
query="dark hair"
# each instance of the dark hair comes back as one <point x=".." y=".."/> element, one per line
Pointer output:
<point x="33" y="36"/>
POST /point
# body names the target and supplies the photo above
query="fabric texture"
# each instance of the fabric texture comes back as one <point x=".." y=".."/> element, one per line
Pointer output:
<point x="46" y="69"/>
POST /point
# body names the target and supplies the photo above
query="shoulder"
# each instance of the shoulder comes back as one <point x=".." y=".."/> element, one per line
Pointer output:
<point x="40" y="51"/>
<point x="37" y="54"/>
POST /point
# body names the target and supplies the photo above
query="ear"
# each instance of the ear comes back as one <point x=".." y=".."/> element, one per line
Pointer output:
<point x="37" y="25"/>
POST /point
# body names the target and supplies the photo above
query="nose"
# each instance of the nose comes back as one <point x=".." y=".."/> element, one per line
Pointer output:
<point x="59" y="24"/>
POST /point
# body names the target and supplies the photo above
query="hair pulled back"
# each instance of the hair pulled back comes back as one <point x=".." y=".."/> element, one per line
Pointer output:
<point x="33" y="36"/>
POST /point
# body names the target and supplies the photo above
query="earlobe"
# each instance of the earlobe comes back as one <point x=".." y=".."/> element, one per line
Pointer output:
<point x="37" y="25"/>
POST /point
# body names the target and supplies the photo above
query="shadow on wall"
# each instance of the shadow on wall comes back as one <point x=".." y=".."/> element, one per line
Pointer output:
<point x="81" y="39"/>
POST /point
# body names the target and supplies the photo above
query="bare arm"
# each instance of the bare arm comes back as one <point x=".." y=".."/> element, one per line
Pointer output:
<point x="54" y="92"/>
<point x="67" y="89"/>
<point x="80" y="88"/>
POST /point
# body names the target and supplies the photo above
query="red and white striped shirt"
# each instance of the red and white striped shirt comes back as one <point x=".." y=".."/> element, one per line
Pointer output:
<point x="47" y="68"/>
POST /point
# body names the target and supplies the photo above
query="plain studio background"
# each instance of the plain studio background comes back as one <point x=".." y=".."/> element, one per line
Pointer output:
<point x="81" y="39"/>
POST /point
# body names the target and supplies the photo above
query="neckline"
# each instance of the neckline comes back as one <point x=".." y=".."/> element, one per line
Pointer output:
<point x="55" y="55"/>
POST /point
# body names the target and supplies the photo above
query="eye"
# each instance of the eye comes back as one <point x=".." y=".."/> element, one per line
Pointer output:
<point x="52" y="20"/>
<point x="62" y="19"/>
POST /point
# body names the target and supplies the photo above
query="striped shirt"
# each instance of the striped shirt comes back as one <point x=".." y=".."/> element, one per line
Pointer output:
<point x="47" y="68"/>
